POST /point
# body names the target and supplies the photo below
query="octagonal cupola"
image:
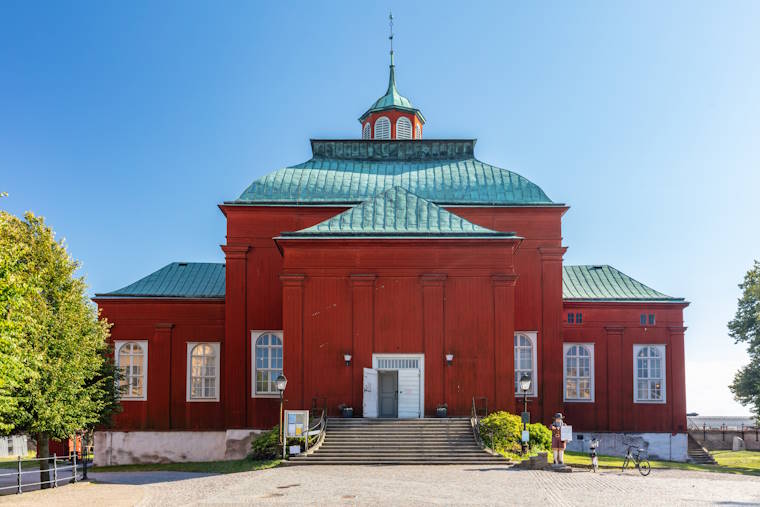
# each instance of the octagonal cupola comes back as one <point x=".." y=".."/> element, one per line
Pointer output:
<point x="392" y="116"/>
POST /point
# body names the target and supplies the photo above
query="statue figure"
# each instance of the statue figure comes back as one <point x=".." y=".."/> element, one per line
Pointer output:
<point x="558" y="445"/>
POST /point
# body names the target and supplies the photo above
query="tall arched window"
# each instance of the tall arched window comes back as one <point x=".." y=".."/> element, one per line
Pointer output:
<point x="579" y="372"/>
<point x="366" y="131"/>
<point x="267" y="351"/>
<point x="382" y="128"/>
<point x="403" y="128"/>
<point x="649" y="373"/>
<point x="525" y="361"/>
<point x="417" y="132"/>
<point x="132" y="359"/>
<point x="203" y="365"/>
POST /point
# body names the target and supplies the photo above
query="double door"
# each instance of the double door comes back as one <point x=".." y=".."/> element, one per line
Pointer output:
<point x="392" y="393"/>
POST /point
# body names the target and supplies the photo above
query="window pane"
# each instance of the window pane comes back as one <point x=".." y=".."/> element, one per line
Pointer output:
<point x="643" y="391"/>
<point x="584" y="388"/>
<point x="571" y="388"/>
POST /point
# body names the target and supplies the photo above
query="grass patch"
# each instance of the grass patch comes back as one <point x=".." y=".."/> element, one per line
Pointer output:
<point x="209" y="467"/>
<point x="729" y="462"/>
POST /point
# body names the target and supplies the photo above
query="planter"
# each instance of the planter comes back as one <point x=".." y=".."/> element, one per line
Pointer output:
<point x="347" y="412"/>
<point x="442" y="412"/>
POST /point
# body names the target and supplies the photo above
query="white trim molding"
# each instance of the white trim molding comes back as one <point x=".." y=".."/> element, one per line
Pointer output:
<point x="663" y="374"/>
<point x="590" y="349"/>
<point x="532" y="336"/>
<point x="216" y="348"/>
<point x="118" y="344"/>
<point x="255" y="335"/>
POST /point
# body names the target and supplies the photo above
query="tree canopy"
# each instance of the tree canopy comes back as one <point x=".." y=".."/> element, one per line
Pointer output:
<point x="745" y="328"/>
<point x="56" y="375"/>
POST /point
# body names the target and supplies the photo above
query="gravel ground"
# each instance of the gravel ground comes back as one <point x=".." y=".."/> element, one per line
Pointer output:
<point x="409" y="485"/>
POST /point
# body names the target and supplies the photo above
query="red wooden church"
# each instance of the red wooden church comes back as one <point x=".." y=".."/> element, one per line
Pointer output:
<point x="390" y="274"/>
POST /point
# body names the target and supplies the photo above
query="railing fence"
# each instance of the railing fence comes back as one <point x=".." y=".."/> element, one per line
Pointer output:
<point x="57" y="467"/>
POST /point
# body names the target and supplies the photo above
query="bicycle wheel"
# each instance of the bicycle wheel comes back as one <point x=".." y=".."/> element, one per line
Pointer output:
<point x="644" y="467"/>
<point x="625" y="464"/>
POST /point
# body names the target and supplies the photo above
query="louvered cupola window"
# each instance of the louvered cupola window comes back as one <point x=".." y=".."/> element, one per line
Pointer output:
<point x="366" y="131"/>
<point x="417" y="132"/>
<point x="403" y="128"/>
<point x="383" y="128"/>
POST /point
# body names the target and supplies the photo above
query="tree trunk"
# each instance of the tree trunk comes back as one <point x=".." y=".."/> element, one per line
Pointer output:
<point x="43" y="451"/>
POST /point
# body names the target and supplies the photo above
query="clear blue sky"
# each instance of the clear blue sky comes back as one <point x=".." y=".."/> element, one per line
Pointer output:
<point x="126" y="123"/>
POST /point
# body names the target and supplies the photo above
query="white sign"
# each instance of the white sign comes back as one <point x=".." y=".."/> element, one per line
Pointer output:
<point x="295" y="449"/>
<point x="525" y="435"/>
<point x="566" y="433"/>
<point x="296" y="423"/>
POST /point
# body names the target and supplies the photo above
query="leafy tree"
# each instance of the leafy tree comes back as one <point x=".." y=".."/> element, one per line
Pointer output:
<point x="56" y="375"/>
<point x="745" y="328"/>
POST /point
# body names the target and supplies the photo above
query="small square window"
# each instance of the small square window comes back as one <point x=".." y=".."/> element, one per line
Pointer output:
<point x="570" y="318"/>
<point x="651" y="319"/>
<point x="578" y="318"/>
<point x="643" y="320"/>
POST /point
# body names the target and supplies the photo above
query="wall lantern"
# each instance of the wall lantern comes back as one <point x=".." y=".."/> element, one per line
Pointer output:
<point x="281" y="382"/>
<point x="347" y="358"/>
<point x="449" y="359"/>
<point x="525" y="382"/>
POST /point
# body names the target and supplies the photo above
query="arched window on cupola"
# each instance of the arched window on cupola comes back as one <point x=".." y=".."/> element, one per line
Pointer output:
<point x="383" y="128"/>
<point x="403" y="128"/>
<point x="366" y="131"/>
<point x="417" y="132"/>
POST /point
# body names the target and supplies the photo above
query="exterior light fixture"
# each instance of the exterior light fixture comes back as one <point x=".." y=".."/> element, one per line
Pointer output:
<point x="347" y="358"/>
<point x="449" y="359"/>
<point x="281" y="382"/>
<point x="525" y="382"/>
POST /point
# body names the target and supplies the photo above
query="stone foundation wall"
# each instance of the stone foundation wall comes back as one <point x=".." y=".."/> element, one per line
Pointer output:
<point x="139" y="447"/>
<point x="662" y="446"/>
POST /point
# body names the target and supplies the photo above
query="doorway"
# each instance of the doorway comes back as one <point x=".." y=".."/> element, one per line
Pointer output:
<point x="388" y="395"/>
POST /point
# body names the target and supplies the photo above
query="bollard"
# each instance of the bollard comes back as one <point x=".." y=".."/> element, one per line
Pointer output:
<point x="18" y="477"/>
<point x="55" y="470"/>
<point x="74" y="468"/>
<point x="84" y="466"/>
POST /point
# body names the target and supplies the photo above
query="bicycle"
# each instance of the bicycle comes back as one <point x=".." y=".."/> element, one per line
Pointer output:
<point x="639" y="460"/>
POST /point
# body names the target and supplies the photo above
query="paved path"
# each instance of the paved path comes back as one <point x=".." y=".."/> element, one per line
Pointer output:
<point x="412" y="485"/>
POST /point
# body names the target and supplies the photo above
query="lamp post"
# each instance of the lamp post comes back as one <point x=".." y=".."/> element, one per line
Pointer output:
<point x="281" y="382"/>
<point x="525" y="382"/>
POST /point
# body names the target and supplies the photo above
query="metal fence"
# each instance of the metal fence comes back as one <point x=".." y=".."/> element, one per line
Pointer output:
<point x="60" y="469"/>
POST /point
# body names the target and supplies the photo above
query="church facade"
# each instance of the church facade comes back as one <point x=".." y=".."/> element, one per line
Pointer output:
<point x="391" y="274"/>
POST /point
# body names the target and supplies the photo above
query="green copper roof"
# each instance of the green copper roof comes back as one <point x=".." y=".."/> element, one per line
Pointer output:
<point x="445" y="172"/>
<point x="178" y="279"/>
<point x="392" y="99"/>
<point x="397" y="212"/>
<point x="605" y="283"/>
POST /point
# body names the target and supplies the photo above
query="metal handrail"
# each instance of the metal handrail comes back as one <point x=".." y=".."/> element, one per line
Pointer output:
<point x="321" y="425"/>
<point x="477" y="427"/>
<point x="53" y="466"/>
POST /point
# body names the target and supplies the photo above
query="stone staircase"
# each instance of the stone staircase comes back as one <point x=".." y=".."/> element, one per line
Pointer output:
<point x="698" y="454"/>
<point x="399" y="442"/>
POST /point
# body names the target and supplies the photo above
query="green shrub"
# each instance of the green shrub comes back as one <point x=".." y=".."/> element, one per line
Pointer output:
<point x="266" y="445"/>
<point x="506" y="429"/>
<point x="540" y="437"/>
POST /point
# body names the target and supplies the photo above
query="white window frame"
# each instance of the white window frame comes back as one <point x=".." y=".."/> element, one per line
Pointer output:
<point x="663" y="370"/>
<point x="144" y="344"/>
<point x="408" y="133"/>
<point x="367" y="131"/>
<point x="592" y="383"/>
<point x="188" y="377"/>
<point x="388" y="121"/>
<point x="533" y="337"/>
<point x="255" y="336"/>
<point x="417" y="131"/>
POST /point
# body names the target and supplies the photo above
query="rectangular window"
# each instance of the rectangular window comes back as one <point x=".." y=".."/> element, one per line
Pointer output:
<point x="643" y="320"/>
<point x="649" y="373"/>
<point x="525" y="360"/>
<point x="266" y="352"/>
<point x="570" y="318"/>
<point x="131" y="358"/>
<point x="651" y="319"/>
<point x="578" y="366"/>
<point x="579" y="318"/>
<point x="203" y="371"/>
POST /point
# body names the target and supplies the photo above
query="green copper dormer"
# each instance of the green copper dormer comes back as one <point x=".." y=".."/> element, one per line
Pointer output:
<point x="392" y="99"/>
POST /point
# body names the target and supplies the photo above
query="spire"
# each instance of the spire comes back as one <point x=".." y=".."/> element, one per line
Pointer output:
<point x="392" y="76"/>
<point x="390" y="37"/>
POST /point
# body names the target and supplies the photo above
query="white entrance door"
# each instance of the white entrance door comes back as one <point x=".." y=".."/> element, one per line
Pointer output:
<point x="369" y="404"/>
<point x="408" y="394"/>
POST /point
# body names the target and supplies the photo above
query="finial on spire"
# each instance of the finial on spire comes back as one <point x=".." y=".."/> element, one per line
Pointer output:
<point x="390" y="37"/>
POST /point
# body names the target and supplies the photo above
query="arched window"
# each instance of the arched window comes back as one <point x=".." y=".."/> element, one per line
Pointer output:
<point x="417" y="132"/>
<point x="403" y="128"/>
<point x="267" y="361"/>
<point x="649" y="373"/>
<point x="579" y="372"/>
<point x="525" y="361"/>
<point x="132" y="359"/>
<point x="203" y="366"/>
<point x="366" y="131"/>
<point x="382" y="128"/>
